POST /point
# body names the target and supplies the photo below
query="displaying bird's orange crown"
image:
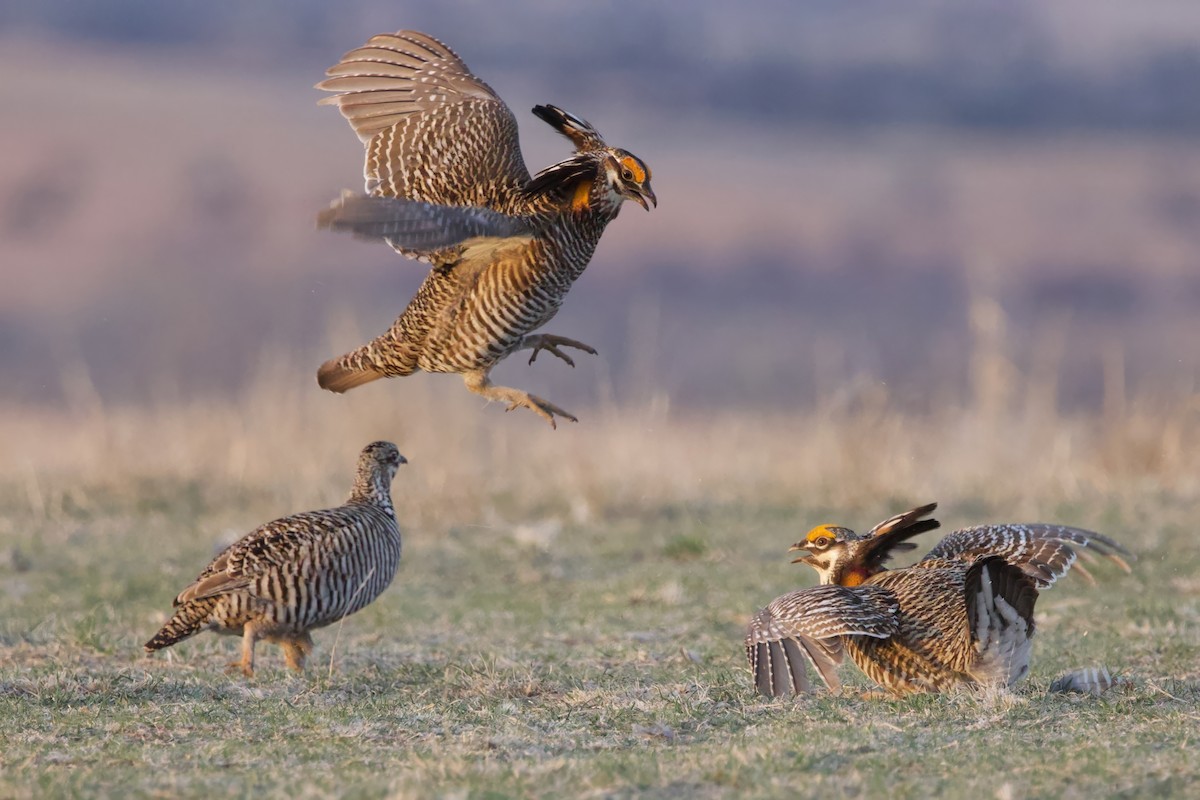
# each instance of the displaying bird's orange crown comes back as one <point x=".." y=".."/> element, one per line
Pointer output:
<point x="826" y="531"/>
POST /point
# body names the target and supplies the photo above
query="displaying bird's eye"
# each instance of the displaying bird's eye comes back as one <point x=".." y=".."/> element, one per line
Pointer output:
<point x="821" y="541"/>
<point x="627" y="174"/>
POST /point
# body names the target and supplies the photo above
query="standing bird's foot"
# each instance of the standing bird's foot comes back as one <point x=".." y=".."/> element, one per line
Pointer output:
<point x="249" y="638"/>
<point x="480" y="384"/>
<point x="239" y="666"/>
<point x="550" y="343"/>
<point x="296" y="650"/>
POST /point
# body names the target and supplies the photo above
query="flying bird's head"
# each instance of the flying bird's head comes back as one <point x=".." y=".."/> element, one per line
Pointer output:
<point x="629" y="177"/>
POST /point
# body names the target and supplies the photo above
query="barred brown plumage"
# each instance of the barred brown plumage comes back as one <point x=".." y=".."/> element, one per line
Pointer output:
<point x="446" y="184"/>
<point x="298" y="573"/>
<point x="961" y="615"/>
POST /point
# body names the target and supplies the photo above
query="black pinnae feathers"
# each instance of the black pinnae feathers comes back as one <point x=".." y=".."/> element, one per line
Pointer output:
<point x="577" y="129"/>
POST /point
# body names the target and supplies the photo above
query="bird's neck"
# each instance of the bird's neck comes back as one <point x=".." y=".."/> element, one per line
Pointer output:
<point x="372" y="485"/>
<point x="853" y="575"/>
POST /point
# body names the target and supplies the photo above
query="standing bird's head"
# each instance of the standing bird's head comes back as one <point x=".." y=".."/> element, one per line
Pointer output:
<point x="382" y="457"/>
<point x="377" y="465"/>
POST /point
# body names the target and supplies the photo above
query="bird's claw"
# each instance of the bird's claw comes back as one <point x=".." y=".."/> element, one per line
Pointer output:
<point x="543" y="408"/>
<point x="551" y="343"/>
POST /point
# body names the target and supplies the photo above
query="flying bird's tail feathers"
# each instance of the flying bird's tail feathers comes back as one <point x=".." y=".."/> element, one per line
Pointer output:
<point x="336" y="375"/>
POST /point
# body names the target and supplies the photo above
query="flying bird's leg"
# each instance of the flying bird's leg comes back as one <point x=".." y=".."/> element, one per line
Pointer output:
<point x="550" y="343"/>
<point x="296" y="650"/>
<point x="246" y="665"/>
<point x="479" y="383"/>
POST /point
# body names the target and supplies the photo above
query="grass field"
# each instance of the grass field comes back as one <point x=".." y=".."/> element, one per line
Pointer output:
<point x="568" y="616"/>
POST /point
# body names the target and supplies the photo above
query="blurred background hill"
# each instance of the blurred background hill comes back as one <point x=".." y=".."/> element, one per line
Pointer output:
<point x="931" y="196"/>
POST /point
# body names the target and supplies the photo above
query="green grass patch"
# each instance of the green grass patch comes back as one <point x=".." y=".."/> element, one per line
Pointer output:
<point x="604" y="661"/>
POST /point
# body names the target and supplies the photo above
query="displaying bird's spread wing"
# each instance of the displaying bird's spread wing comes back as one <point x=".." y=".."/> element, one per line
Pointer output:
<point x="810" y="623"/>
<point x="416" y="227"/>
<point x="432" y="130"/>
<point x="1043" y="552"/>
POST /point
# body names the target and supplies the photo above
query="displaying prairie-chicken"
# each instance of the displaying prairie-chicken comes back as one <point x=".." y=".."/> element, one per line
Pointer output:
<point x="446" y="183"/>
<point x="961" y="615"/>
<point x="287" y="577"/>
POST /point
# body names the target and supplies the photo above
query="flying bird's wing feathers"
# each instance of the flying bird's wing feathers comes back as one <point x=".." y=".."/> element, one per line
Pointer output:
<point x="432" y="130"/>
<point x="416" y="227"/>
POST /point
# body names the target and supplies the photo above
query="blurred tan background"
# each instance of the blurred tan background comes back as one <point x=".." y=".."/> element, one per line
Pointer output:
<point x="988" y="205"/>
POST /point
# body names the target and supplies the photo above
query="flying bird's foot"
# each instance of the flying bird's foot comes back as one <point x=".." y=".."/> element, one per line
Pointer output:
<point x="543" y="408"/>
<point x="479" y="383"/>
<point x="550" y="343"/>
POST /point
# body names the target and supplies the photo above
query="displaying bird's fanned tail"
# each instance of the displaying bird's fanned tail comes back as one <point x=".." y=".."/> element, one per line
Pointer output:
<point x="1000" y="599"/>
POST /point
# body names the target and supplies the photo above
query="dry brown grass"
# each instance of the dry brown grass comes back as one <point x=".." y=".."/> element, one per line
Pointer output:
<point x="1006" y="447"/>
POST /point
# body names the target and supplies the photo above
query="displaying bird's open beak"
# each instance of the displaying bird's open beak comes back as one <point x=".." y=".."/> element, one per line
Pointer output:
<point x="645" y="196"/>
<point x="802" y="546"/>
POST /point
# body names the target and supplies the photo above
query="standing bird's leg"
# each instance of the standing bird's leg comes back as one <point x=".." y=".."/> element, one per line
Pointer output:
<point x="296" y="650"/>
<point x="550" y="343"/>
<point x="249" y="638"/>
<point x="479" y="383"/>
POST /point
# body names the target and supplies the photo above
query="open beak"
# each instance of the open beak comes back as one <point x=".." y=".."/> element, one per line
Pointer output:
<point x="645" y="196"/>
<point x="801" y="546"/>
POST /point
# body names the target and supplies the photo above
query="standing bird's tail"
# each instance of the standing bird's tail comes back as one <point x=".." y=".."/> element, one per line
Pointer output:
<point x="188" y="621"/>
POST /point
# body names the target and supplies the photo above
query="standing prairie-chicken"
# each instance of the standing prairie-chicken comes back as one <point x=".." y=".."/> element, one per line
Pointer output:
<point x="446" y="184"/>
<point x="298" y="573"/>
<point x="961" y="615"/>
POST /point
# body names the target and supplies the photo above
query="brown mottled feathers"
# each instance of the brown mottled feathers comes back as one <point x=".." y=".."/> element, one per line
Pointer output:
<point x="300" y="572"/>
<point x="963" y="614"/>
<point x="1045" y="552"/>
<point x="343" y="374"/>
<point x="811" y="622"/>
<point x="448" y="185"/>
<point x="432" y="130"/>
<point x="416" y="227"/>
<point x="890" y="536"/>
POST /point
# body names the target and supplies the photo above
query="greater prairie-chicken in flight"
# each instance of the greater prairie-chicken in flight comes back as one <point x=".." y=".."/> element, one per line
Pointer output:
<point x="446" y="183"/>
<point x="287" y="577"/>
<point x="961" y="615"/>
